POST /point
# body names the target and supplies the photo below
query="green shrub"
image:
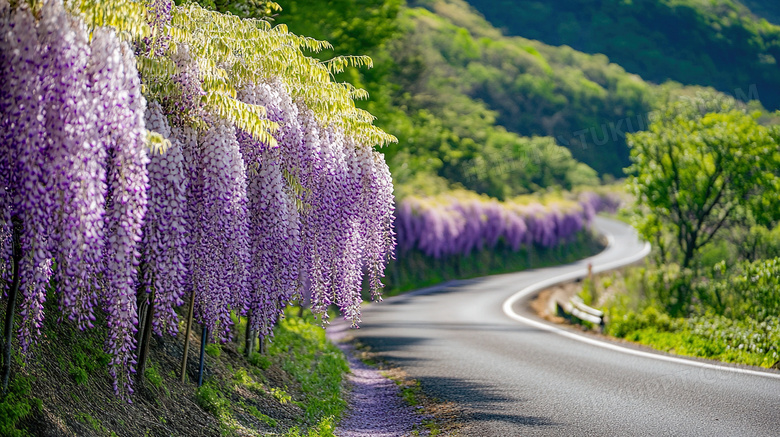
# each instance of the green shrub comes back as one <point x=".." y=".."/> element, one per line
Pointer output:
<point x="586" y="293"/>
<point x="709" y="336"/>
<point x="87" y="358"/>
<point x="79" y="374"/>
<point x="259" y="360"/>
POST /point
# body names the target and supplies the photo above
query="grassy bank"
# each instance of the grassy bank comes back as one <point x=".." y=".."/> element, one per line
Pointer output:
<point x="630" y="299"/>
<point x="413" y="270"/>
<point x="294" y="389"/>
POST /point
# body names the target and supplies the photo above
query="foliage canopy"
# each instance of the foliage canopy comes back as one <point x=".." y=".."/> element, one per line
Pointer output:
<point x="702" y="166"/>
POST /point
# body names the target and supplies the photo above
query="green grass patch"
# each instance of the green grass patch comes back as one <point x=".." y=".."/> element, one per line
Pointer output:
<point x="95" y="424"/>
<point x="430" y="426"/>
<point x="260" y="361"/>
<point x="260" y="416"/>
<point x="211" y="399"/>
<point x="213" y="350"/>
<point x="153" y="375"/>
<point x="313" y="362"/>
<point x="410" y="389"/>
<point x="314" y="369"/>
<point x="87" y="358"/>
<point x="16" y="406"/>
<point x="323" y="428"/>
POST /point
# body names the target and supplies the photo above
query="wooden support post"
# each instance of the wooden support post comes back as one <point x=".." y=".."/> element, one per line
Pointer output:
<point x="187" y="337"/>
<point x="10" y="310"/>
<point x="204" y="335"/>
<point x="145" y="339"/>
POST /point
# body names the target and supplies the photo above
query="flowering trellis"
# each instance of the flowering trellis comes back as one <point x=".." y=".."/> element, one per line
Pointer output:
<point x="241" y="173"/>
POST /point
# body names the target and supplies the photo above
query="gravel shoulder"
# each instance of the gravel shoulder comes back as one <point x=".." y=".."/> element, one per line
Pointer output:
<point x="376" y="407"/>
<point x="383" y="400"/>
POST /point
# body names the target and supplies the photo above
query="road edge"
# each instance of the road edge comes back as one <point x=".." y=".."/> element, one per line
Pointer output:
<point x="508" y="309"/>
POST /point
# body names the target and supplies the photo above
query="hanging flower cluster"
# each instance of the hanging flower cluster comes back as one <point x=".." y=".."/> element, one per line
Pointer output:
<point x="159" y="17"/>
<point x="460" y="225"/>
<point x="275" y="219"/>
<point x="165" y="238"/>
<point x="252" y="195"/>
<point x="121" y="110"/>
<point x="74" y="170"/>
<point x="322" y="211"/>
<point x="378" y="201"/>
<point x="217" y="202"/>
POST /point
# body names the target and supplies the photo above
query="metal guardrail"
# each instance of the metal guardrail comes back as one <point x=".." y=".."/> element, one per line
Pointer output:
<point x="575" y="308"/>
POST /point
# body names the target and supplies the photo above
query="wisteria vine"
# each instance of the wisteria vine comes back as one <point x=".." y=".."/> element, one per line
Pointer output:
<point x="450" y="225"/>
<point x="165" y="235"/>
<point x="219" y="257"/>
<point x="74" y="166"/>
<point x="246" y="222"/>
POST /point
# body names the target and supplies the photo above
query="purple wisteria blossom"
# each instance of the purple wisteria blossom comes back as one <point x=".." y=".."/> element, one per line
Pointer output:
<point x="274" y="230"/>
<point x="165" y="238"/>
<point x="378" y="216"/>
<point x="450" y="225"/>
<point x="333" y="216"/>
<point x="121" y="110"/>
<point x="275" y="243"/>
<point x="334" y="228"/>
<point x="158" y="16"/>
<point x="219" y="241"/>
<point x="25" y="144"/>
<point x="73" y="171"/>
<point x="184" y="104"/>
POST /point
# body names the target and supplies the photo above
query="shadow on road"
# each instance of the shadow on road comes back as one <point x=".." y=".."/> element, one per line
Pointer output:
<point x="481" y="402"/>
<point x="503" y="327"/>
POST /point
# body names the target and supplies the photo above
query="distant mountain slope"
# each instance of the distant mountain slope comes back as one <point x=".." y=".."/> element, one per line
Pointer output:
<point x="477" y="108"/>
<point x="715" y="43"/>
<point x="441" y="130"/>
<point x="534" y="88"/>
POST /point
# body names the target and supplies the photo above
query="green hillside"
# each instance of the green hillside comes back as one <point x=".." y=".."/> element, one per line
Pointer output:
<point x="442" y="125"/>
<point x="717" y="43"/>
<point x="464" y="100"/>
<point x="535" y="89"/>
<point x="498" y="115"/>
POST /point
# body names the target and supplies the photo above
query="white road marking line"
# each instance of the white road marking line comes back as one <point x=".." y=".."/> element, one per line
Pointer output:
<point x="579" y="273"/>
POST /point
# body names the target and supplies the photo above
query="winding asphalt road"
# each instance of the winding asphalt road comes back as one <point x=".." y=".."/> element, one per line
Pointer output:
<point x="514" y="375"/>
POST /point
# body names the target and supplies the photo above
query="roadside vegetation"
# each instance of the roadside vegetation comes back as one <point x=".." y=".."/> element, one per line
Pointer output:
<point x="294" y="388"/>
<point x="415" y="270"/>
<point x="706" y="177"/>
<point x="633" y="302"/>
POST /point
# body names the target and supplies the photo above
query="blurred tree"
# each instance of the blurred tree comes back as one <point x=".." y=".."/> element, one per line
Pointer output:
<point x="258" y="9"/>
<point x="698" y="172"/>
